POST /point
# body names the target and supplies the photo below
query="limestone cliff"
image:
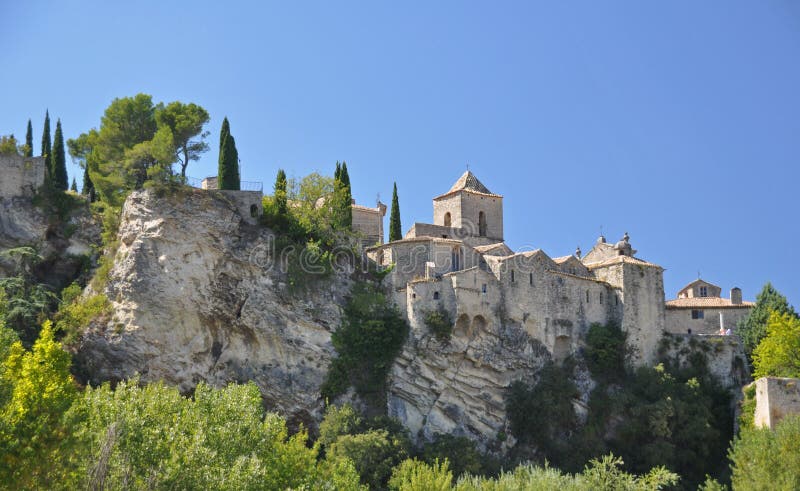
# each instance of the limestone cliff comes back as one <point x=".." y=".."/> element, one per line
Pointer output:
<point x="197" y="296"/>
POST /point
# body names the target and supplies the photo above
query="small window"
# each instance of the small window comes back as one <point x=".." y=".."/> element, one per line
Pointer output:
<point x="444" y="236"/>
<point x="413" y="295"/>
<point x="697" y="314"/>
<point x="530" y="278"/>
<point x="436" y="295"/>
<point x="616" y="300"/>
<point x="482" y="224"/>
<point x="447" y="219"/>
<point x="512" y="276"/>
<point x="587" y="297"/>
<point x="483" y="288"/>
<point x="253" y="211"/>
<point x="601" y="298"/>
<point x="703" y="291"/>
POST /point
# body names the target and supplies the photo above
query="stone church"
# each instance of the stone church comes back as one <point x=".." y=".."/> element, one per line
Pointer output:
<point x="460" y="264"/>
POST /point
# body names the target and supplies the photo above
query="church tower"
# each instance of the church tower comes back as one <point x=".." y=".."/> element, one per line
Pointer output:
<point x="471" y="206"/>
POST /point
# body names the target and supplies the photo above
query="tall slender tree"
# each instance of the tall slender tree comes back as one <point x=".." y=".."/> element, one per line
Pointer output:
<point x="395" y="229"/>
<point x="337" y="174"/>
<point x="280" y="193"/>
<point x="74" y="186"/>
<point x="58" y="161"/>
<point x="88" y="186"/>
<point x="228" y="175"/>
<point x="29" y="140"/>
<point x="46" y="141"/>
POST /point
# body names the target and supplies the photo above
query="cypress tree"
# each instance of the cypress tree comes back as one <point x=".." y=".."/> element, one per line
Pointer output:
<point x="337" y="174"/>
<point x="395" y="229"/>
<point x="46" y="145"/>
<point x="88" y="185"/>
<point x="29" y="140"/>
<point x="58" y="161"/>
<point x="74" y="186"/>
<point x="228" y="175"/>
<point x="347" y="198"/>
<point x="280" y="193"/>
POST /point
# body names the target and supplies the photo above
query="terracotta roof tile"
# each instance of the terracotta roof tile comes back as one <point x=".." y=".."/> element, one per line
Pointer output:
<point x="706" y="302"/>
<point x="468" y="182"/>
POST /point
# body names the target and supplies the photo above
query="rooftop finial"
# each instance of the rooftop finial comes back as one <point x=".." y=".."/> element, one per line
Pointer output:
<point x="578" y="252"/>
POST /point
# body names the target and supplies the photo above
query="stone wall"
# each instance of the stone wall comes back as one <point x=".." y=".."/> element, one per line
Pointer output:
<point x="465" y="207"/>
<point x="776" y="398"/>
<point x="679" y="320"/>
<point x="21" y="176"/>
<point x="249" y="204"/>
<point x="369" y="223"/>
<point x="725" y="355"/>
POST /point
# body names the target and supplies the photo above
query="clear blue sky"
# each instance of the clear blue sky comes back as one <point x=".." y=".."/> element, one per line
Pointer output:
<point x="678" y="122"/>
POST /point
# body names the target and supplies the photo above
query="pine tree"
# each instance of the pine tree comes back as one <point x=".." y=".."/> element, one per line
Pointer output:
<point x="46" y="145"/>
<point x="74" y="186"/>
<point x="58" y="161"/>
<point x="88" y="186"/>
<point x="280" y="193"/>
<point x="753" y="328"/>
<point x="228" y="175"/>
<point x="395" y="229"/>
<point x="29" y="140"/>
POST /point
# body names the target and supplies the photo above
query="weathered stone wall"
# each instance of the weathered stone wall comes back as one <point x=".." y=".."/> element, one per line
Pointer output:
<point x="20" y="176"/>
<point x="369" y="223"/>
<point x="464" y="208"/>
<point x="776" y="398"/>
<point x="249" y="204"/>
<point x="724" y="355"/>
<point x="679" y="320"/>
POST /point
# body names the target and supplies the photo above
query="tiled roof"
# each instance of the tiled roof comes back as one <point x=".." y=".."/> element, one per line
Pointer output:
<point x="706" y="302"/>
<point x="621" y="259"/>
<point x="468" y="182"/>
<point x="489" y="247"/>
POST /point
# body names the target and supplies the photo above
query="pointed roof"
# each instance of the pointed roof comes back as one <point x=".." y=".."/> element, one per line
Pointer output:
<point x="468" y="182"/>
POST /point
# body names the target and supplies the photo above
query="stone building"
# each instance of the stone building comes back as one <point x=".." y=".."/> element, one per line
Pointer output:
<point x="20" y="176"/>
<point x="460" y="264"/>
<point x="368" y="222"/>
<point x="700" y="309"/>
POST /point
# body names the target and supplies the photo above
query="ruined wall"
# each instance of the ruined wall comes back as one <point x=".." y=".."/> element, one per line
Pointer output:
<point x="776" y="398"/>
<point x="20" y="176"/>
<point x="679" y="320"/>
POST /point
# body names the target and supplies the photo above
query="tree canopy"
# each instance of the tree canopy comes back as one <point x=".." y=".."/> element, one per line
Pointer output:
<point x="228" y="173"/>
<point x="186" y="122"/>
<point x="58" y="161"/>
<point x="753" y="328"/>
<point x="395" y="229"/>
<point x="778" y="354"/>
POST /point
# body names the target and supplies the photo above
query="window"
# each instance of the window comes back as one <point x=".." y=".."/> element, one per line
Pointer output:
<point x="587" y="296"/>
<point x="512" y="276"/>
<point x="530" y="278"/>
<point x="253" y="211"/>
<point x="482" y="224"/>
<point x="697" y="314"/>
<point x="616" y="300"/>
<point x="483" y="288"/>
<point x="413" y="295"/>
<point x="447" y="219"/>
<point x="436" y="295"/>
<point x="703" y="291"/>
<point x="601" y="298"/>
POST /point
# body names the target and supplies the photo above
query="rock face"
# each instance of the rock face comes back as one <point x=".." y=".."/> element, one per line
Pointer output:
<point x="458" y="386"/>
<point x="197" y="296"/>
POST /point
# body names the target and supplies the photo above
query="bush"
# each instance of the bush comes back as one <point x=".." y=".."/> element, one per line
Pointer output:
<point x="371" y="335"/>
<point x="413" y="475"/>
<point x="606" y="352"/>
<point x="459" y="451"/>
<point x="767" y="459"/>
<point x="373" y="453"/>
<point x="440" y="324"/>
<point x="73" y="318"/>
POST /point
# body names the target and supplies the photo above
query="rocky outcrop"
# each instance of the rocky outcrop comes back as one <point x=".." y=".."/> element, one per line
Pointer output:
<point x="459" y="386"/>
<point x="197" y="295"/>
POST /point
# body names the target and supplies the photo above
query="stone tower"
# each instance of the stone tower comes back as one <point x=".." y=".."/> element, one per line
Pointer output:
<point x="471" y="206"/>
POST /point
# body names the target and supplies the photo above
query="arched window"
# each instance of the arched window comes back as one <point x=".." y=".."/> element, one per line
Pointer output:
<point x="482" y="224"/>
<point x="436" y="295"/>
<point x="447" y="219"/>
<point x="253" y="211"/>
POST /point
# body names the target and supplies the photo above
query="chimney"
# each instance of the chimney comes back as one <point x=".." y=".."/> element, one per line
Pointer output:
<point x="736" y="296"/>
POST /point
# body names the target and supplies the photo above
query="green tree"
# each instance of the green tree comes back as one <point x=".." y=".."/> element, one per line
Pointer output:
<point x="374" y="454"/>
<point x="341" y="200"/>
<point x="74" y="186"/>
<point x="29" y="140"/>
<point x="46" y="141"/>
<point x="9" y="146"/>
<point x="280" y="193"/>
<point x="395" y="229"/>
<point x="778" y="354"/>
<point x="58" y="161"/>
<point x="40" y="390"/>
<point x="767" y="459"/>
<point x="87" y="189"/>
<point x="186" y="122"/>
<point x="753" y="328"/>
<point x="228" y="174"/>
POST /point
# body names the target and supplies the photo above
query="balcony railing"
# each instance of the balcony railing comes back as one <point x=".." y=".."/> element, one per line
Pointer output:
<point x="243" y="185"/>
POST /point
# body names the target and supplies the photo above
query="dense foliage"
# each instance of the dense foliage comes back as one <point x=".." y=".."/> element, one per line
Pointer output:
<point x="605" y="352"/>
<point x="228" y="171"/>
<point x="370" y="337"/>
<point x="29" y="140"/>
<point x="778" y="354"/>
<point x="440" y="324"/>
<point x="767" y="459"/>
<point x="753" y="328"/>
<point x="58" y="161"/>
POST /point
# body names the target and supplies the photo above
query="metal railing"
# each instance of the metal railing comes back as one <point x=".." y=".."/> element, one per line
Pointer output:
<point x="243" y="185"/>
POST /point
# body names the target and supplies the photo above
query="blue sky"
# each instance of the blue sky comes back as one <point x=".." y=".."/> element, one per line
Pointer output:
<point x="678" y="122"/>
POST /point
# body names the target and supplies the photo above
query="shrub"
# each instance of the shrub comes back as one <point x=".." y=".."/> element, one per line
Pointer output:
<point x="440" y="324"/>
<point x="459" y="451"/>
<point x="75" y="316"/>
<point x="606" y="352"/>
<point x="767" y="459"/>
<point x="371" y="335"/>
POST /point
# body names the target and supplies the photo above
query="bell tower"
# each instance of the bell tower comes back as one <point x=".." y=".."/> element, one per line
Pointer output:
<point x="470" y="205"/>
